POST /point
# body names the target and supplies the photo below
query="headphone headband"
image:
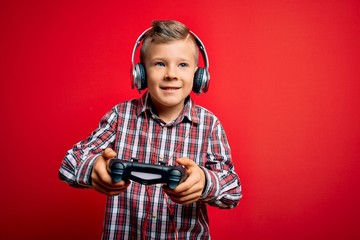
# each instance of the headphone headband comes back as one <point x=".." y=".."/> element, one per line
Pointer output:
<point x="201" y="77"/>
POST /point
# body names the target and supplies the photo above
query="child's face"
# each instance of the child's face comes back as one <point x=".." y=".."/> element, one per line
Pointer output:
<point x="170" y="69"/>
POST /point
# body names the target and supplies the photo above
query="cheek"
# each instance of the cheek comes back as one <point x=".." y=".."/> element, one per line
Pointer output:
<point x="153" y="78"/>
<point x="190" y="79"/>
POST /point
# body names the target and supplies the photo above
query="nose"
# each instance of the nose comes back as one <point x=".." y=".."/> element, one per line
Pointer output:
<point x="171" y="73"/>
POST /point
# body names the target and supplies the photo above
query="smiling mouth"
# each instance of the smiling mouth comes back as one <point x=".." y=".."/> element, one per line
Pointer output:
<point x="170" y="88"/>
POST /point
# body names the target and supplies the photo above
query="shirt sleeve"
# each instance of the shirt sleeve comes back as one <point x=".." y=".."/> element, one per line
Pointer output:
<point x="223" y="187"/>
<point x="77" y="164"/>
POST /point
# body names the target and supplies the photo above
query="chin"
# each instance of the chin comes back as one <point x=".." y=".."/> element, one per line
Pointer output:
<point x="172" y="103"/>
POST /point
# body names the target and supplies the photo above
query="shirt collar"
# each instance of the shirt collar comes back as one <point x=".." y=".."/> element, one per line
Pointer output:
<point x="188" y="112"/>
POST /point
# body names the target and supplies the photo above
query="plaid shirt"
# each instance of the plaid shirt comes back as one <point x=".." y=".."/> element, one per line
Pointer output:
<point x="196" y="134"/>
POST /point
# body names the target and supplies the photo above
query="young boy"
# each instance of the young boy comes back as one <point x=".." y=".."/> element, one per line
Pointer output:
<point x="163" y="125"/>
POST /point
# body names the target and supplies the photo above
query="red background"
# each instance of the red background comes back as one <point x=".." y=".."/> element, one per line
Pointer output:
<point x="285" y="84"/>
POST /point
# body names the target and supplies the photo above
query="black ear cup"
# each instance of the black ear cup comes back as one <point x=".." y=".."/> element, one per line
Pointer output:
<point x="139" y="75"/>
<point x="198" y="77"/>
<point x="201" y="81"/>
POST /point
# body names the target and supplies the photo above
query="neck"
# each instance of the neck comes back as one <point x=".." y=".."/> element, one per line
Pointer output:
<point x="169" y="114"/>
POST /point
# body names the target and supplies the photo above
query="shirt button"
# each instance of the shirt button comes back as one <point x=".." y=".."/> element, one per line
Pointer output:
<point x="154" y="215"/>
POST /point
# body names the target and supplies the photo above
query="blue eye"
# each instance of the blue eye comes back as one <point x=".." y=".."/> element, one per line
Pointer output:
<point x="159" y="64"/>
<point x="183" y="65"/>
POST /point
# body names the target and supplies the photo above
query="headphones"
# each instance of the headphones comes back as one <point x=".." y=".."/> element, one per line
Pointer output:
<point x="201" y="76"/>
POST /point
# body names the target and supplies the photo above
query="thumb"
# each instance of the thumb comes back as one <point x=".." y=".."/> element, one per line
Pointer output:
<point x="186" y="162"/>
<point x="108" y="153"/>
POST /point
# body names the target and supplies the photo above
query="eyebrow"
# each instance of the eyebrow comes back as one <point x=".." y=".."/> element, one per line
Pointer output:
<point x="177" y="58"/>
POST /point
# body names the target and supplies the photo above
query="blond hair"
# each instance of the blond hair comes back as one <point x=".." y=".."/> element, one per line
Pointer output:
<point x="164" y="31"/>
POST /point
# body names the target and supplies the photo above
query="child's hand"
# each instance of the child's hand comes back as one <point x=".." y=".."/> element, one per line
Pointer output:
<point x="191" y="189"/>
<point x="101" y="179"/>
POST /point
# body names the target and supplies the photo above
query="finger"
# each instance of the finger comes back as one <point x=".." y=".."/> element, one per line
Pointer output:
<point x="190" y="184"/>
<point x="106" y="187"/>
<point x="114" y="186"/>
<point x="184" y="192"/>
<point x="182" y="188"/>
<point x="184" y="199"/>
<point x="106" y="181"/>
<point x="186" y="162"/>
<point x="101" y="176"/>
<point x="108" y="153"/>
<point x="110" y="192"/>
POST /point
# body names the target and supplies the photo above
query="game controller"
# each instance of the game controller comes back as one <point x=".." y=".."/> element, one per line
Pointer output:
<point x="145" y="173"/>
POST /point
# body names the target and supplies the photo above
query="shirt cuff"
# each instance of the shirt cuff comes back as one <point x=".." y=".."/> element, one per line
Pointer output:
<point x="85" y="170"/>
<point x="211" y="185"/>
